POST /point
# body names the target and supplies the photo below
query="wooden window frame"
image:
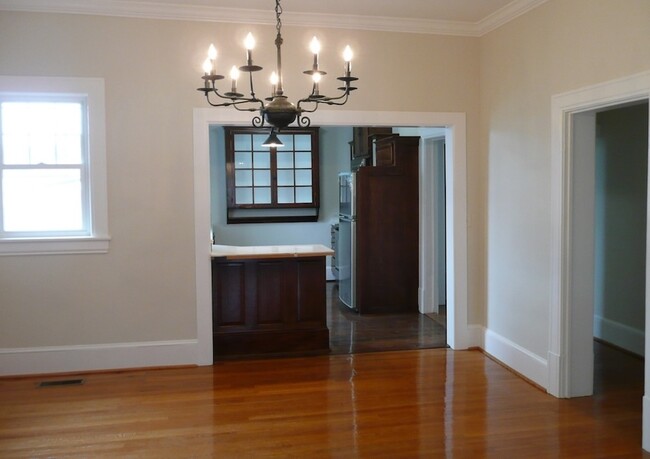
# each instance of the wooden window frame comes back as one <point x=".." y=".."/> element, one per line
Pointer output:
<point x="272" y="212"/>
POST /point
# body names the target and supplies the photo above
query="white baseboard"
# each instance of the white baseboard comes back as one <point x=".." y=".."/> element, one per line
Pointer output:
<point x="66" y="359"/>
<point x="329" y="273"/>
<point x="620" y="335"/>
<point x="516" y="357"/>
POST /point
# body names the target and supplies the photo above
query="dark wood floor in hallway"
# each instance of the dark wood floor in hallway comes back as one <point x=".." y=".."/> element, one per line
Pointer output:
<point x="431" y="403"/>
<point x="353" y="333"/>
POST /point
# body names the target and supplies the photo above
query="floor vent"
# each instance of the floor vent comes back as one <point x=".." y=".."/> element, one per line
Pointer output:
<point x="61" y="382"/>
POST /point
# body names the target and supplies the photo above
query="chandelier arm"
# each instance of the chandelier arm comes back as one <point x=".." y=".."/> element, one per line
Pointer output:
<point x="324" y="100"/>
<point x="305" y="110"/>
<point x="250" y="80"/>
<point x="303" y="121"/>
<point x="235" y="103"/>
<point x="233" y="100"/>
<point x="331" y="100"/>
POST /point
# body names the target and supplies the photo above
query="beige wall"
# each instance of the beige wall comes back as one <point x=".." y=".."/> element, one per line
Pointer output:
<point x="144" y="288"/>
<point x="560" y="46"/>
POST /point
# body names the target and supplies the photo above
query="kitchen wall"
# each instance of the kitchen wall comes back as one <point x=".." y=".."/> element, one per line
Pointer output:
<point x="136" y="305"/>
<point x="620" y="226"/>
<point x="334" y="156"/>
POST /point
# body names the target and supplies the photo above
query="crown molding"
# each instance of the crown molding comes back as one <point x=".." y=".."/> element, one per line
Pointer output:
<point x="149" y="10"/>
<point x="506" y="14"/>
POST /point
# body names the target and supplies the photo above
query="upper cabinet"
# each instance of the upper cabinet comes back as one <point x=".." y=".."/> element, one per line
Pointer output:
<point x="363" y="138"/>
<point x="272" y="184"/>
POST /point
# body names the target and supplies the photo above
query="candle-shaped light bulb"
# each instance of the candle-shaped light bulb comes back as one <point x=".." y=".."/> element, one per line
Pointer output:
<point x="207" y="66"/>
<point x="212" y="52"/>
<point x="347" y="57"/>
<point x="274" y="83"/>
<point x="314" y="47"/>
<point x="316" y="77"/>
<point x="249" y="44"/>
<point x="234" y="75"/>
<point x="212" y="57"/>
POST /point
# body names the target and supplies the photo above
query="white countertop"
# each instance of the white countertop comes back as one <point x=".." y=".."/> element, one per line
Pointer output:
<point x="233" y="252"/>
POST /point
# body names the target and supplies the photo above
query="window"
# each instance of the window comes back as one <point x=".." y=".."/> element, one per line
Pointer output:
<point x="272" y="184"/>
<point x="52" y="166"/>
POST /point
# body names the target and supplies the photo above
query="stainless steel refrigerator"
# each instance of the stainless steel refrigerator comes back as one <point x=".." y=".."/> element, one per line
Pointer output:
<point x="346" y="248"/>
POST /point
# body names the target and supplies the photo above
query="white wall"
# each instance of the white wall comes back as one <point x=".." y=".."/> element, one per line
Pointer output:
<point x="142" y="294"/>
<point x="620" y="226"/>
<point x="557" y="47"/>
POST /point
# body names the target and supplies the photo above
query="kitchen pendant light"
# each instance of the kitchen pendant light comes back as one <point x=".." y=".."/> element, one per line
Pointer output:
<point x="272" y="141"/>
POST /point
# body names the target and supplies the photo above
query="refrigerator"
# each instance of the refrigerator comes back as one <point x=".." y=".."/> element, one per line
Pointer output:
<point x="346" y="247"/>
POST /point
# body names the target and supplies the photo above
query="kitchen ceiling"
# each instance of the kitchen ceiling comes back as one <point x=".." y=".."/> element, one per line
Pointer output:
<point x="453" y="17"/>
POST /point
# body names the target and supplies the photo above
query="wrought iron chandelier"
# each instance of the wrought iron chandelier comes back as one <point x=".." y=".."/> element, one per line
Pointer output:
<point x="276" y="110"/>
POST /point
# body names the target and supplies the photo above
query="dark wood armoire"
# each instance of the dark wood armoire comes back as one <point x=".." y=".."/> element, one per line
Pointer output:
<point x="387" y="237"/>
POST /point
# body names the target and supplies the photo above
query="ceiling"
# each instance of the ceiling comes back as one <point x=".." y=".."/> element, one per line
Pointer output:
<point x="453" y="17"/>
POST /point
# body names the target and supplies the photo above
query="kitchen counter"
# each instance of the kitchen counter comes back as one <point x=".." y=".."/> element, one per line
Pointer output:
<point x="269" y="300"/>
<point x="234" y="252"/>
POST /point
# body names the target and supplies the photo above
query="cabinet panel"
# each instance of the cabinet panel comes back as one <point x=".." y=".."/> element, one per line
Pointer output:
<point x="229" y="300"/>
<point x="269" y="306"/>
<point x="388" y="229"/>
<point x="271" y="296"/>
<point x="363" y="138"/>
<point x="311" y="282"/>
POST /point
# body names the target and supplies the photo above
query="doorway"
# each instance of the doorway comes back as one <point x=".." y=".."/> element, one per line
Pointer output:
<point x="570" y="356"/>
<point x="458" y="333"/>
<point x="607" y="234"/>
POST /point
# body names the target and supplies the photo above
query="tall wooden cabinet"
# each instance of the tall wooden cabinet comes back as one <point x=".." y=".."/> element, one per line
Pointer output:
<point x="388" y="228"/>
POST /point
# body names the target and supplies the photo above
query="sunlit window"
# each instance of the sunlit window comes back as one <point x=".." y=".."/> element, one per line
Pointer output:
<point x="53" y="185"/>
<point x="44" y="184"/>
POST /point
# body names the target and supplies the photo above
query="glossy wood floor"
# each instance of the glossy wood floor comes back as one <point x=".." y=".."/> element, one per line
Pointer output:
<point x="411" y="404"/>
<point x="351" y="333"/>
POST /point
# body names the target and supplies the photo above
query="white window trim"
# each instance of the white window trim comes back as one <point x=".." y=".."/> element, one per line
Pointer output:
<point x="93" y="89"/>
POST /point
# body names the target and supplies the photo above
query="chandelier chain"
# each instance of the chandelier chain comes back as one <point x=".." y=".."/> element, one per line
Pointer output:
<point x="278" y="12"/>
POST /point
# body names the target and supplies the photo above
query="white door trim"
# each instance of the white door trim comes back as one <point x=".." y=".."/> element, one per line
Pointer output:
<point x="458" y="336"/>
<point x="563" y="108"/>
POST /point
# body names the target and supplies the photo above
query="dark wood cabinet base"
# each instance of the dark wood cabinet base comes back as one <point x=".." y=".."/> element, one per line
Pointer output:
<point x="271" y="342"/>
<point x="273" y="306"/>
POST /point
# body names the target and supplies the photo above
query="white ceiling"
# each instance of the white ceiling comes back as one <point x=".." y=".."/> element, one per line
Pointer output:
<point x="454" y="17"/>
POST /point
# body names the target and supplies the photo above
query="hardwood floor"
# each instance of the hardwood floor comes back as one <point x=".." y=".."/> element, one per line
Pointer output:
<point x="426" y="403"/>
<point x="351" y="333"/>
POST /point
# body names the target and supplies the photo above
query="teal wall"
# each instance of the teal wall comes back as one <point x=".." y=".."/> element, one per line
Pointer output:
<point x="334" y="158"/>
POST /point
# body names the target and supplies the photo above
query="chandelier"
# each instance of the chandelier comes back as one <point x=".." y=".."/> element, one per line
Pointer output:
<point x="275" y="110"/>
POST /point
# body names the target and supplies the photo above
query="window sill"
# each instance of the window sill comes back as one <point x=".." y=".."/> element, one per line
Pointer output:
<point x="55" y="246"/>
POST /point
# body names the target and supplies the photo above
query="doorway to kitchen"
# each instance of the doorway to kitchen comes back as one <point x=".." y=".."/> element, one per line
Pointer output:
<point x="406" y="321"/>
<point x="457" y="330"/>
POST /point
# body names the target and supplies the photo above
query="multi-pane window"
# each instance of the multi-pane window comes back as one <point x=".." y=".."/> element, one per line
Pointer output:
<point x="262" y="178"/>
<point x="43" y="161"/>
<point x="52" y="166"/>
